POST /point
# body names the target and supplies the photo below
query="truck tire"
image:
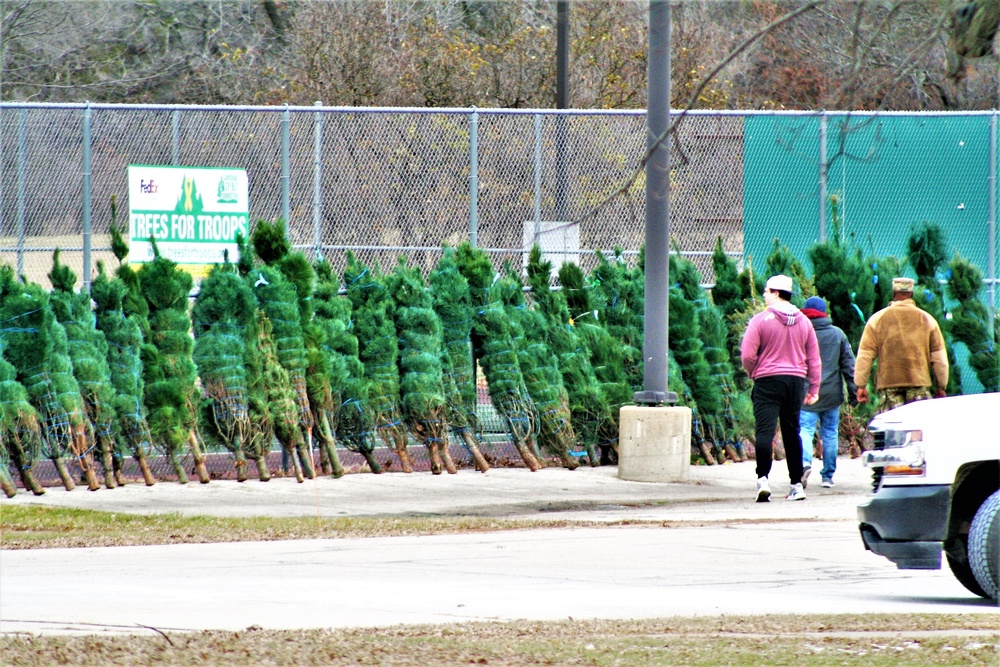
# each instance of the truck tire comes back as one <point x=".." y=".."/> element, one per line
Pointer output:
<point x="984" y="546"/>
<point x="963" y="571"/>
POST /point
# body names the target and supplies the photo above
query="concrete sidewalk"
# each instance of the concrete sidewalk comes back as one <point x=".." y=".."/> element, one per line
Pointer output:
<point x="592" y="494"/>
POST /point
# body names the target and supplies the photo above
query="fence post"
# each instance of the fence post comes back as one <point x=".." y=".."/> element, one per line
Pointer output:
<point x="86" y="198"/>
<point x="175" y="137"/>
<point x="22" y="158"/>
<point x="286" y="121"/>
<point x="991" y="225"/>
<point x="474" y="177"/>
<point x="538" y="178"/>
<point x="822" y="176"/>
<point x="318" y="182"/>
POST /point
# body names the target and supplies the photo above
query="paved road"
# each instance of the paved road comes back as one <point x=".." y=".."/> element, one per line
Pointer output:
<point x="726" y="555"/>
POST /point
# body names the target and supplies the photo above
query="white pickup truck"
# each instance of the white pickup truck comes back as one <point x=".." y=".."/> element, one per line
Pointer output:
<point x="936" y="488"/>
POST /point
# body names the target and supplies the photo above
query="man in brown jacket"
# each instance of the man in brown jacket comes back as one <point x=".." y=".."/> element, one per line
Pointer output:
<point x="908" y="345"/>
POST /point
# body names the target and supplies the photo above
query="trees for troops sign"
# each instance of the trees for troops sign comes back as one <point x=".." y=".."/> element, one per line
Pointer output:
<point x="194" y="213"/>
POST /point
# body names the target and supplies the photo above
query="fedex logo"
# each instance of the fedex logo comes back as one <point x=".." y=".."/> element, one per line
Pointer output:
<point x="148" y="187"/>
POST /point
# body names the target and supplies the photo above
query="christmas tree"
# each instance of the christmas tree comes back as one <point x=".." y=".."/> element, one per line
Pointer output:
<point x="378" y="350"/>
<point x="421" y="390"/>
<point x="453" y="305"/>
<point x="88" y="351"/>
<point x="124" y="337"/>
<point x="35" y="344"/>
<point x="927" y="253"/>
<point x="349" y="388"/>
<point x="171" y="394"/>
<point x="223" y="311"/>
<point x="283" y="288"/>
<point x="495" y="351"/>
<point x="20" y="429"/>
<point x="540" y="369"/>
<point x="589" y="413"/>
<point x="970" y="324"/>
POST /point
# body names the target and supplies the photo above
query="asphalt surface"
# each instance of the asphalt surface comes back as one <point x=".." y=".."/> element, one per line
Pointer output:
<point x="708" y="549"/>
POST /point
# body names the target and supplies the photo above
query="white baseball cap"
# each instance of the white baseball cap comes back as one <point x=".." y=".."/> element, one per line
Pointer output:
<point x="780" y="283"/>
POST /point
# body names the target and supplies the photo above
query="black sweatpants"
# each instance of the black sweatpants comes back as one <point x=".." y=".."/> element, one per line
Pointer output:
<point x="778" y="399"/>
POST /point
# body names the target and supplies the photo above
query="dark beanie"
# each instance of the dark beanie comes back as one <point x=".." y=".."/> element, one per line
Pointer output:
<point x="816" y="303"/>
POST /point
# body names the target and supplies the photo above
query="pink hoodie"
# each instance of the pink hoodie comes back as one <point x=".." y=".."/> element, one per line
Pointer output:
<point x="781" y="341"/>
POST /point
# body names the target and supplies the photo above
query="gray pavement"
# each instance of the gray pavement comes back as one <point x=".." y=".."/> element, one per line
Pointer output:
<point x="726" y="555"/>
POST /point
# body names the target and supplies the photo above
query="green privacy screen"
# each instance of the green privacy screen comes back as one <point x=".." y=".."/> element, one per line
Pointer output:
<point x="889" y="171"/>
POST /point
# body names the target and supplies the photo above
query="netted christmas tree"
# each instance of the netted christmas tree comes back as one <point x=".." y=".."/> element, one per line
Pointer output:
<point x="542" y="377"/>
<point x="351" y="423"/>
<point x="221" y="316"/>
<point x="20" y="429"/>
<point x="605" y="357"/>
<point x="35" y="344"/>
<point x="124" y="338"/>
<point x="495" y="351"/>
<point x="620" y="304"/>
<point x="453" y="305"/>
<point x="927" y="253"/>
<point x="169" y="373"/>
<point x="593" y="421"/>
<point x="378" y="350"/>
<point x="844" y="279"/>
<point x="284" y="290"/>
<point x="719" y="403"/>
<point x="421" y="389"/>
<point x="88" y="352"/>
<point x="970" y="323"/>
<point x="727" y="296"/>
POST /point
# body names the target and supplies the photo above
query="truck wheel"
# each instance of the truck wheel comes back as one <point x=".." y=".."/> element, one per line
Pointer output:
<point x="963" y="571"/>
<point x="984" y="546"/>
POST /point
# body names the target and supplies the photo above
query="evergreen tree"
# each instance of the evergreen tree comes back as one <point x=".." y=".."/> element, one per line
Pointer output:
<point x="285" y="296"/>
<point x="421" y="390"/>
<point x="452" y="303"/>
<point x="541" y="374"/>
<point x="348" y="385"/>
<point x="170" y="376"/>
<point x="20" y="429"/>
<point x="620" y="305"/>
<point x="225" y="307"/>
<point x="88" y="351"/>
<point x="728" y="298"/>
<point x="845" y="280"/>
<point x="378" y="350"/>
<point x="35" y="344"/>
<point x="970" y="322"/>
<point x="605" y="357"/>
<point x="589" y="411"/>
<point x="926" y="252"/>
<point x="495" y="351"/>
<point x="124" y="344"/>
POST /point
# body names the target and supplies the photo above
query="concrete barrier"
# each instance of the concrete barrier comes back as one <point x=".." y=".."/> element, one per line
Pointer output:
<point x="654" y="444"/>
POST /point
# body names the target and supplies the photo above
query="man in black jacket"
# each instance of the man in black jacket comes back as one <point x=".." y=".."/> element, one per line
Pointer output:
<point x="838" y="366"/>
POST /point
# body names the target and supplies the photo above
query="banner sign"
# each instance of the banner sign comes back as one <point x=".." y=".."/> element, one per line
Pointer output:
<point x="194" y="213"/>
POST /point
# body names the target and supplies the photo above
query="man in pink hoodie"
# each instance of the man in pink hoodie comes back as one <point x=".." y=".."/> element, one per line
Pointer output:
<point x="779" y="350"/>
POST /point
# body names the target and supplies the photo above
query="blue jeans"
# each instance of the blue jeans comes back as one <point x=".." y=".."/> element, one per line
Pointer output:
<point x="828" y="421"/>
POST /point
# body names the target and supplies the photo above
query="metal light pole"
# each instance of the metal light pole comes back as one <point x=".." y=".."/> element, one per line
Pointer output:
<point x="654" y="346"/>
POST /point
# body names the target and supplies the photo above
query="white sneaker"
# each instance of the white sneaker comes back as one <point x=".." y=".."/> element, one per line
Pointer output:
<point x="796" y="492"/>
<point x="827" y="483"/>
<point x="805" y="476"/>
<point x="763" y="490"/>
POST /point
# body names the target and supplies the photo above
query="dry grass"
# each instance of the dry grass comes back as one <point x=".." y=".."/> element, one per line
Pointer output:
<point x="880" y="640"/>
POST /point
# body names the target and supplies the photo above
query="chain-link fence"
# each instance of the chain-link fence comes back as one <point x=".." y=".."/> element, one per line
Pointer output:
<point x="382" y="182"/>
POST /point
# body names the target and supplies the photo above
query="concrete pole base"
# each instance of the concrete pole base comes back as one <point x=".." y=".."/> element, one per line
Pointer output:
<point x="654" y="444"/>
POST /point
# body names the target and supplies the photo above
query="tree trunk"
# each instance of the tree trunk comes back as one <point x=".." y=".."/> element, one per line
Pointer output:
<point x="372" y="463"/>
<point x="107" y="461"/>
<point x="477" y="456"/>
<point x="262" y="472"/>
<point x="526" y="455"/>
<point x="241" y="463"/>
<point x="706" y="452"/>
<point x="7" y="482"/>
<point x="328" y="444"/>
<point x="64" y="475"/>
<point x="199" y="459"/>
<point x="182" y="477"/>
<point x="147" y="474"/>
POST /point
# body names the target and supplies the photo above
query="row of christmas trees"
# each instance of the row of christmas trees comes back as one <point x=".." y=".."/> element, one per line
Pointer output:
<point x="284" y="350"/>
